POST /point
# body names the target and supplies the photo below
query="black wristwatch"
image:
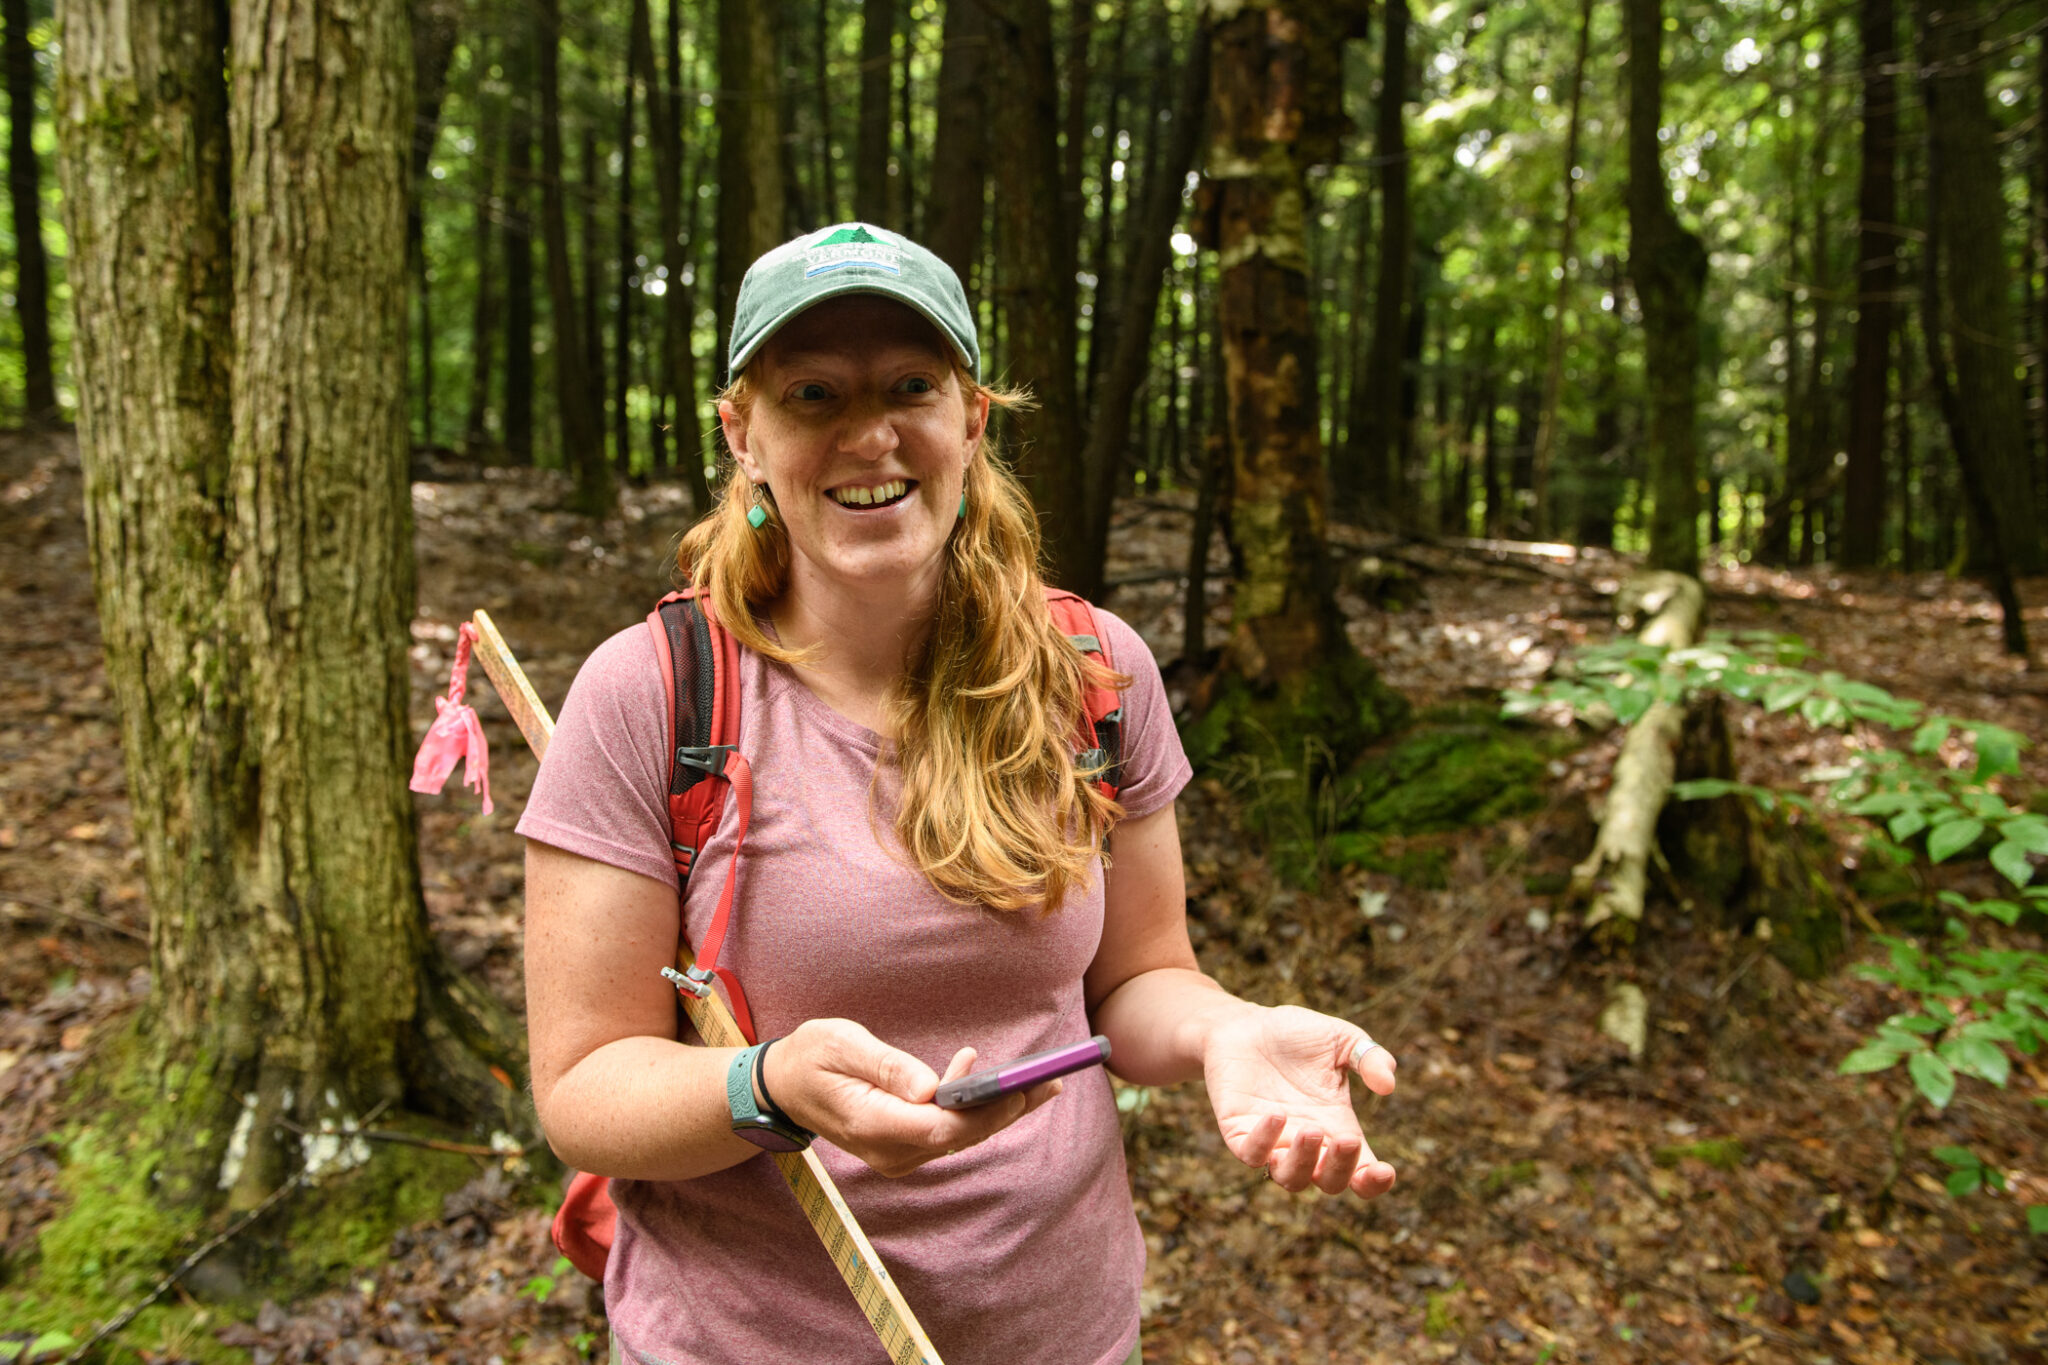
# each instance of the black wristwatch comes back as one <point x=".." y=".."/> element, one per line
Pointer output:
<point x="764" y="1124"/>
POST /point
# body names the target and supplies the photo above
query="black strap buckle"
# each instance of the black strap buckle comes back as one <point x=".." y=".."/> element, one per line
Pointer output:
<point x="709" y="760"/>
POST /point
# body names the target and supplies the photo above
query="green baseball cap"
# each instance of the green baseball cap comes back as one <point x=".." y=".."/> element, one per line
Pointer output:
<point x="849" y="258"/>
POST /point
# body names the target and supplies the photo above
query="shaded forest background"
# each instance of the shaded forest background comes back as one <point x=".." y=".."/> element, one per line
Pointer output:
<point x="1479" y="350"/>
<point x="1374" y="350"/>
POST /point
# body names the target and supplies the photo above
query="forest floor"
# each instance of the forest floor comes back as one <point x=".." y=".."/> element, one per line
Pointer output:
<point x="1720" y="1200"/>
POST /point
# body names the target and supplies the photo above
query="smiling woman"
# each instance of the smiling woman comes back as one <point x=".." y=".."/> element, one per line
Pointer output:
<point x="926" y="882"/>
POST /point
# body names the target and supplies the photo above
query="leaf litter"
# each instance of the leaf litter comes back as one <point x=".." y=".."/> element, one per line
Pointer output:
<point x="1720" y="1200"/>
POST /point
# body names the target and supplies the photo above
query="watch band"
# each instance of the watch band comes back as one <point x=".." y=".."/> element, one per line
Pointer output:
<point x="765" y="1127"/>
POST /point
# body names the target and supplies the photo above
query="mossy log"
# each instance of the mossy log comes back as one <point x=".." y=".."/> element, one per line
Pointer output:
<point x="1615" y="875"/>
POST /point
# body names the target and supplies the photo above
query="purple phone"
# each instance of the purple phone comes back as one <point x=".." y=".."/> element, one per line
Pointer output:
<point x="980" y="1087"/>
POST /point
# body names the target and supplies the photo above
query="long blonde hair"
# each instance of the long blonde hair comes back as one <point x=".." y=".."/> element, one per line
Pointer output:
<point x="994" y="809"/>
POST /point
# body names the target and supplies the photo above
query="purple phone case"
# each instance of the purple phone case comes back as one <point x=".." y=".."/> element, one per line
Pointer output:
<point x="1021" y="1074"/>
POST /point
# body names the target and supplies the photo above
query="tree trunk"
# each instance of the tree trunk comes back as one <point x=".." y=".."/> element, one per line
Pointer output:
<point x="679" y="298"/>
<point x="243" y="433"/>
<point x="1553" y="364"/>
<point x="518" y="419"/>
<point x="1877" y="279"/>
<point x="1275" y="111"/>
<point x="1103" y="324"/>
<point x="1969" y="217"/>
<point x="1963" y="291"/>
<point x="828" y="169"/>
<point x="483" y="322"/>
<point x="629" y="271"/>
<point x="1152" y="250"/>
<point x="1037" y="264"/>
<point x="954" y="210"/>
<point x="1669" y="267"/>
<point x="1367" y="481"/>
<point x="877" y="99"/>
<point x="433" y="46"/>
<point x="750" y="189"/>
<point x="24" y="190"/>
<point x="578" y="397"/>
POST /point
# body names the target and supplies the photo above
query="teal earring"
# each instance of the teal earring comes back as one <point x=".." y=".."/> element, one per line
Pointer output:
<point x="757" y="515"/>
<point x="962" y="513"/>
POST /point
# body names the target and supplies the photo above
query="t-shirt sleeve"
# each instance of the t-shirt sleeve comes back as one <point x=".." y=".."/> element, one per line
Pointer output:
<point x="599" y="792"/>
<point x="1155" y="767"/>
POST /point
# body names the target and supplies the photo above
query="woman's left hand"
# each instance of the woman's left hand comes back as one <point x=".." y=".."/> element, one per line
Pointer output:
<point x="1279" y="1082"/>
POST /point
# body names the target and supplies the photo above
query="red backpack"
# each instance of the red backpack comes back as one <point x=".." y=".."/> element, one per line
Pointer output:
<point x="699" y="663"/>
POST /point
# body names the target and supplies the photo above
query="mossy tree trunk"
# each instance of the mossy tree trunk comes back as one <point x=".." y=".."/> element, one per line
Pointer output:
<point x="1668" y="264"/>
<point x="243" y="431"/>
<point x="1275" y="111"/>
<point x="750" y="189"/>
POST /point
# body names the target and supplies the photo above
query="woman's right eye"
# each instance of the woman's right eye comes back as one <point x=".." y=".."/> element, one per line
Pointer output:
<point x="811" y="393"/>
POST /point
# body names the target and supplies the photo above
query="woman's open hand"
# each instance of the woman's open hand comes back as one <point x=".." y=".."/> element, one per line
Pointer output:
<point x="1279" y="1082"/>
<point x="874" y="1101"/>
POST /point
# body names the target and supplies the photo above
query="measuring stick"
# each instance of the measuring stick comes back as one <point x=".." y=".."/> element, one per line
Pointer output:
<point x="881" y="1302"/>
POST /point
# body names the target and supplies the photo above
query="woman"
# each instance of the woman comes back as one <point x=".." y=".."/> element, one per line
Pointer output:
<point x="924" y="883"/>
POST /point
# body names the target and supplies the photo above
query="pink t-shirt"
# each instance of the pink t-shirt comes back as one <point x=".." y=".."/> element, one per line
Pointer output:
<point x="1021" y="1249"/>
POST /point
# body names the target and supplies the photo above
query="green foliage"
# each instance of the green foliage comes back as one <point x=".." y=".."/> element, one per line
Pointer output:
<point x="1976" y="1005"/>
<point x="540" y="1286"/>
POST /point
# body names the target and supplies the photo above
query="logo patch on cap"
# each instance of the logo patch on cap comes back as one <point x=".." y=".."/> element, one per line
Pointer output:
<point x="851" y="246"/>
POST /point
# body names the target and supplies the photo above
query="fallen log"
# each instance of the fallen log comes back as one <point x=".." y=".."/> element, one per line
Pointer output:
<point x="1612" y="879"/>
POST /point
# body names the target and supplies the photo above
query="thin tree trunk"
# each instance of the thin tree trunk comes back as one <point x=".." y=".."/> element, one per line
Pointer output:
<point x="1669" y="267"/>
<point x="954" y="210"/>
<point x="1553" y="364"/>
<point x="1368" y="480"/>
<point x="666" y="101"/>
<point x="483" y="321"/>
<point x="1037" y="263"/>
<point x="24" y="190"/>
<point x="877" y="104"/>
<point x="1102" y="325"/>
<point x="750" y="190"/>
<point x="1963" y="289"/>
<point x="828" y="169"/>
<point x="578" y="393"/>
<point x="629" y="271"/>
<point x="518" y="418"/>
<point x="1969" y="215"/>
<point x="588" y="199"/>
<point x="1109" y="434"/>
<point x="1877" y="279"/>
<point x="905" y="179"/>
<point x="1076" y="73"/>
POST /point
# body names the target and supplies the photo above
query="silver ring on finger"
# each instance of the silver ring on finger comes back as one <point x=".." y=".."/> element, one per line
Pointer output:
<point x="1365" y="1045"/>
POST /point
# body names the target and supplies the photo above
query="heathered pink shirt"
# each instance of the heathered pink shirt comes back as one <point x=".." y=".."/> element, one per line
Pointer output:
<point x="1021" y="1249"/>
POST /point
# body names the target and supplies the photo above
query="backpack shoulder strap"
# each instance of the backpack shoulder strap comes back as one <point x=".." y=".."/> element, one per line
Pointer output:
<point x="699" y="664"/>
<point x="1075" y="617"/>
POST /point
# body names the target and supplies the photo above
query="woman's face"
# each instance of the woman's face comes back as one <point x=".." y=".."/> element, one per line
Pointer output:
<point x="859" y="426"/>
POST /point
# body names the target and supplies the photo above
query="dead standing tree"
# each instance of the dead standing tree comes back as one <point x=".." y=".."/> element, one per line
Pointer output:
<point x="243" y="433"/>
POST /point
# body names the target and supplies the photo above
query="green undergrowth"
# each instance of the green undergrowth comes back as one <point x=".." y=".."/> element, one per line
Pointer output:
<point x="117" y="1234"/>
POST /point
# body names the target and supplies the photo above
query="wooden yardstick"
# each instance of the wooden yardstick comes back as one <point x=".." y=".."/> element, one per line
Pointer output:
<point x="881" y="1302"/>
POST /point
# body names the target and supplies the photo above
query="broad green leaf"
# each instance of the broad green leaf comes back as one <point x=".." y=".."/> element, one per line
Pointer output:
<point x="2005" y="912"/>
<point x="1951" y="838"/>
<point x="1705" y="789"/>
<point x="1918" y="1023"/>
<point x="1998" y="750"/>
<point x="1929" y="737"/>
<point x="1965" y="1181"/>
<point x="1985" y="805"/>
<point x="1978" y="1057"/>
<point x="2037" y="1219"/>
<point x="2011" y="861"/>
<point x="1933" y="1078"/>
<point x="1881" y="803"/>
<point x="1957" y="1157"/>
<point x="1823" y="712"/>
<point x="2030" y="832"/>
<point x="1868" y="1058"/>
<point x="1906" y="824"/>
<point x="1787" y="692"/>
